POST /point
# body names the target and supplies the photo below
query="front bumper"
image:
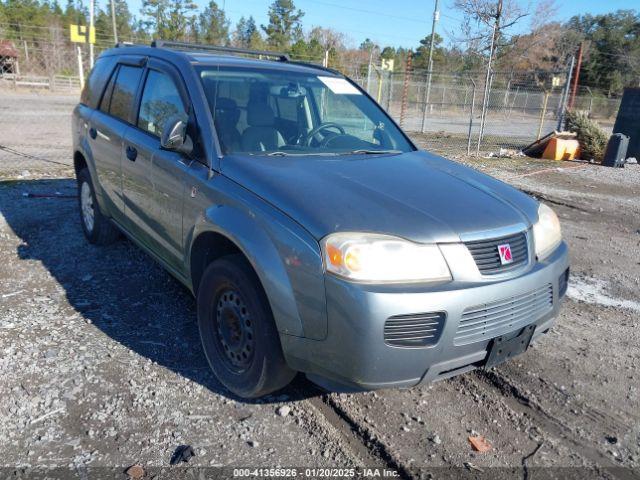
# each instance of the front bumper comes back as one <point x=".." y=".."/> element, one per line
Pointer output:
<point x="354" y="355"/>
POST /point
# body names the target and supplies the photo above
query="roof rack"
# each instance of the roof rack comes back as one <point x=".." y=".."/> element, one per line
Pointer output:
<point x="128" y="44"/>
<point x="281" y="57"/>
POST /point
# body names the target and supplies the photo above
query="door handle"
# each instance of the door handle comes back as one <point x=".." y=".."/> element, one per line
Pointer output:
<point x="93" y="133"/>
<point x="132" y="153"/>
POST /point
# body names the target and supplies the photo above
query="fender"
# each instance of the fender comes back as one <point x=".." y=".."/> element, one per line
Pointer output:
<point x="285" y="258"/>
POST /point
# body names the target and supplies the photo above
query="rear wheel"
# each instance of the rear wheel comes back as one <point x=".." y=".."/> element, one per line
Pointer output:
<point x="237" y="329"/>
<point x="96" y="227"/>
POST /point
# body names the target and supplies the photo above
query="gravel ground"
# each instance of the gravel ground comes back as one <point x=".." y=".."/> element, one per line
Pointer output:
<point x="102" y="367"/>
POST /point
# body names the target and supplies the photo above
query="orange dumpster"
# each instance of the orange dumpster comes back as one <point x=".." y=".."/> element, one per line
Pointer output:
<point x="560" y="148"/>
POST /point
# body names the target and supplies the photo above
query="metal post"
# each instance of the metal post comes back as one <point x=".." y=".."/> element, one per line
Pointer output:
<point x="473" y="102"/>
<point x="426" y="100"/>
<point x="80" y="67"/>
<point x="543" y="112"/>
<point x="113" y="21"/>
<point x="369" y="70"/>
<point x="389" y="92"/>
<point x="565" y="96"/>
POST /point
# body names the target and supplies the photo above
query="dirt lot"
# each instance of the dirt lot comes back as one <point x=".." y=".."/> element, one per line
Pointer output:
<point x="102" y="366"/>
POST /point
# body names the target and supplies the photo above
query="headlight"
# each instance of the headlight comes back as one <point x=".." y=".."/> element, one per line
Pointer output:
<point x="546" y="232"/>
<point x="377" y="258"/>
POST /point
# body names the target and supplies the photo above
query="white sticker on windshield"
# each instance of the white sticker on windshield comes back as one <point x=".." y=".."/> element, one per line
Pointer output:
<point x="339" y="86"/>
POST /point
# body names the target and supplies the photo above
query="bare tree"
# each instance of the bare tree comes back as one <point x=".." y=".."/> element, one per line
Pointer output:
<point x="486" y="22"/>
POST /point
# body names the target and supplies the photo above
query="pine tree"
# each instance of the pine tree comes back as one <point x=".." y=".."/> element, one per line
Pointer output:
<point x="168" y="20"/>
<point x="284" y="26"/>
<point x="213" y="25"/>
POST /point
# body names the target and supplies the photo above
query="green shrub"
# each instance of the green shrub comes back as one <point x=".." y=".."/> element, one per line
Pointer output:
<point x="593" y="140"/>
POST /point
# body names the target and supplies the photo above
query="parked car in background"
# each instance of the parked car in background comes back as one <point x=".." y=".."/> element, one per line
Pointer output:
<point x="314" y="235"/>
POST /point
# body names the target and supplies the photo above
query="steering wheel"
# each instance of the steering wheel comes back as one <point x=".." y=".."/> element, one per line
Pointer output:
<point x="306" y="140"/>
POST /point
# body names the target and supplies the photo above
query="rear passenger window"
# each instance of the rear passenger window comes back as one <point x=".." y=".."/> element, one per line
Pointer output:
<point x="97" y="78"/>
<point x="124" y="91"/>
<point x="106" y="98"/>
<point x="160" y="101"/>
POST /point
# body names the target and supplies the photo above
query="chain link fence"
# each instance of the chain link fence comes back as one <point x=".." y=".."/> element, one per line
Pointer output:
<point x="462" y="114"/>
<point x="447" y="113"/>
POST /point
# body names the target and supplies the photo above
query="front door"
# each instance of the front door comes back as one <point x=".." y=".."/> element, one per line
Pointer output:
<point x="153" y="178"/>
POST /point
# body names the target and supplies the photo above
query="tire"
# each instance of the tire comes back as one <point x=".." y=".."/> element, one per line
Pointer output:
<point x="238" y="333"/>
<point x="96" y="227"/>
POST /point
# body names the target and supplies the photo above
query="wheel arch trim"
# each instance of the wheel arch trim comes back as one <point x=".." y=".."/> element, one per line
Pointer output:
<point x="258" y="248"/>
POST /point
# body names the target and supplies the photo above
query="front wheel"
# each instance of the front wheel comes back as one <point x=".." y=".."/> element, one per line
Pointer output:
<point x="237" y="329"/>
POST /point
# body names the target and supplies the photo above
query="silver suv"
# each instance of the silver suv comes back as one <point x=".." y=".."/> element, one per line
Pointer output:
<point x="315" y="236"/>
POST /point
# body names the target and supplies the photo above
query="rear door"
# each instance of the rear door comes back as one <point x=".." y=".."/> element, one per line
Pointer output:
<point x="107" y="128"/>
<point x="153" y="178"/>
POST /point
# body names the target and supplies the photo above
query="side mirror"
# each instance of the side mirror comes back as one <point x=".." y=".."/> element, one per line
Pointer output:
<point x="174" y="136"/>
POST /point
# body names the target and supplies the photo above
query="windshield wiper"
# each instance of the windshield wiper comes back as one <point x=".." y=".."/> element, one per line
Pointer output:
<point x="372" y="152"/>
<point x="280" y="153"/>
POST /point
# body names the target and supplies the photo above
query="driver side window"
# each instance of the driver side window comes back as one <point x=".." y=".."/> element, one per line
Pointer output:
<point x="160" y="101"/>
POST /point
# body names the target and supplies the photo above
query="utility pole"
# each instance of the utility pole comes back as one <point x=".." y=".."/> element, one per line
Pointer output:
<point x="91" y="5"/>
<point x="436" y="17"/>
<point x="576" y="78"/>
<point x="113" y="21"/>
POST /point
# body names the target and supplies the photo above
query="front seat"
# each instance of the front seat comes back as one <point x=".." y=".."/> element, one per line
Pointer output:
<point x="261" y="134"/>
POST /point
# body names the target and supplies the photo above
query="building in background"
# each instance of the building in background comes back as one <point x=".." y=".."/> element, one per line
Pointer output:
<point x="8" y="58"/>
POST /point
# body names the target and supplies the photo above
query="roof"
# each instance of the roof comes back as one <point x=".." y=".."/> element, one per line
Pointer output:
<point x="8" y="49"/>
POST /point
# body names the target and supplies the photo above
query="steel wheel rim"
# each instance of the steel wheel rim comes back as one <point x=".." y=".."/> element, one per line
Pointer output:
<point x="86" y="206"/>
<point x="234" y="330"/>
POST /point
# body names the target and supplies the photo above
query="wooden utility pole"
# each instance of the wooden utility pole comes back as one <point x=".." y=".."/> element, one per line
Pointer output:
<point x="436" y="17"/>
<point x="576" y="78"/>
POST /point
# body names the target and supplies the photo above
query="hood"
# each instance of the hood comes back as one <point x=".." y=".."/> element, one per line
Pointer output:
<point x="414" y="195"/>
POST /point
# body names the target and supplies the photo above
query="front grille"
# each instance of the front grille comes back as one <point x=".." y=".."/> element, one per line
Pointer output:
<point x="489" y="320"/>
<point x="417" y="330"/>
<point x="485" y="253"/>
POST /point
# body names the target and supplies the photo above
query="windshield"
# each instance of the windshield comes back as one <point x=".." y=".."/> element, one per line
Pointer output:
<point x="277" y="112"/>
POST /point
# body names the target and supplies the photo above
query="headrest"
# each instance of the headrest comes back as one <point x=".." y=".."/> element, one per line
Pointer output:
<point x="227" y="110"/>
<point x="260" y="115"/>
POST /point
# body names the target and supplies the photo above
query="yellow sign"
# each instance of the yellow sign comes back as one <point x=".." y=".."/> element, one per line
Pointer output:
<point x="79" y="34"/>
<point x="387" y="64"/>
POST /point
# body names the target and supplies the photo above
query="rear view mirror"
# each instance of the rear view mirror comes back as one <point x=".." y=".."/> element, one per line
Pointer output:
<point x="174" y="136"/>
